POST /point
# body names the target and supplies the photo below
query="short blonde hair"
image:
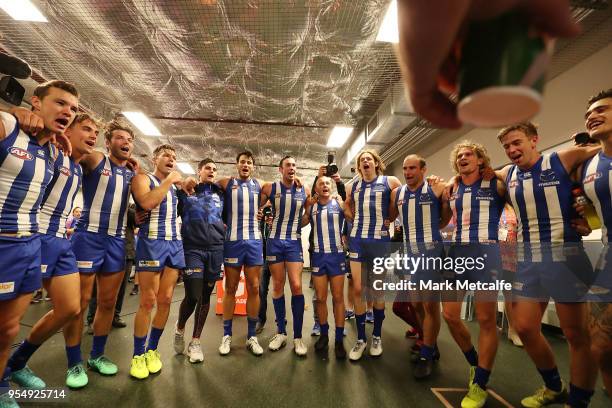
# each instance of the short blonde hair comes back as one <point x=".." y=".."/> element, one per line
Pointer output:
<point x="528" y="128"/>
<point x="381" y="165"/>
<point x="83" y="116"/>
<point x="480" y="150"/>
<point x="117" y="124"/>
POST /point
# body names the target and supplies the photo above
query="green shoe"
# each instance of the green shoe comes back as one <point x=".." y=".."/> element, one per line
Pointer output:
<point x="544" y="396"/>
<point x="475" y="398"/>
<point x="27" y="379"/>
<point x="7" y="402"/>
<point x="154" y="364"/>
<point x="76" y="377"/>
<point x="102" y="365"/>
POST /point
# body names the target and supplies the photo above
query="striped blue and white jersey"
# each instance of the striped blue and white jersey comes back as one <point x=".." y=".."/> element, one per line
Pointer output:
<point x="106" y="192"/>
<point x="241" y="204"/>
<point x="288" y="208"/>
<point x="162" y="223"/>
<point x="371" y="199"/>
<point x="59" y="196"/>
<point x="327" y="224"/>
<point x="419" y="213"/>
<point x="597" y="181"/>
<point x="542" y="199"/>
<point x="26" y="168"/>
<point x="477" y="209"/>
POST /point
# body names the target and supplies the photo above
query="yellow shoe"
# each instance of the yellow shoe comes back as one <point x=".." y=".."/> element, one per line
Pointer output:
<point x="138" y="368"/>
<point x="544" y="396"/>
<point x="475" y="398"/>
<point x="154" y="364"/>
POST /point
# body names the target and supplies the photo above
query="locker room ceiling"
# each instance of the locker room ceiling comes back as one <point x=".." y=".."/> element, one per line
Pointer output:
<point x="218" y="77"/>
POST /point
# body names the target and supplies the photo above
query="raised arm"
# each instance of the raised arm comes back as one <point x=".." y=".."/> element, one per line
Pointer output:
<point x="572" y="157"/>
<point x="148" y="198"/>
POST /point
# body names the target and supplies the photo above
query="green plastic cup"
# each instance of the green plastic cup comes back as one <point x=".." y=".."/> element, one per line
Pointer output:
<point x="501" y="72"/>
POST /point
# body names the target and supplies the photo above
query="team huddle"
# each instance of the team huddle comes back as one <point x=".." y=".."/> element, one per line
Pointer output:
<point x="209" y="228"/>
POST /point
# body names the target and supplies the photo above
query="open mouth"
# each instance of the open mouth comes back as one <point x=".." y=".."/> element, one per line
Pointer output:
<point x="62" y="122"/>
<point x="90" y="143"/>
<point x="516" y="158"/>
<point x="125" y="149"/>
<point x="595" y="124"/>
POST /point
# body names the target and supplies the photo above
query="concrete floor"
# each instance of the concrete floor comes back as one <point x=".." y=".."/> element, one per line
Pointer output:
<point x="281" y="379"/>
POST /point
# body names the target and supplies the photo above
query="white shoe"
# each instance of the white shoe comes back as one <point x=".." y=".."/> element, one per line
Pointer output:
<point x="226" y="343"/>
<point x="253" y="346"/>
<point x="357" y="350"/>
<point x="194" y="351"/>
<point x="376" y="346"/>
<point x="514" y="338"/>
<point x="278" y="340"/>
<point x="299" y="347"/>
<point x="179" y="340"/>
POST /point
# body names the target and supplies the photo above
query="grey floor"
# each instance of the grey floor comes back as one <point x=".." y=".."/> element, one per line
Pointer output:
<point x="281" y="379"/>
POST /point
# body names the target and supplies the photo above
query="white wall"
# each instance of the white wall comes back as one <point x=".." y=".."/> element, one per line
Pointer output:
<point x="562" y="114"/>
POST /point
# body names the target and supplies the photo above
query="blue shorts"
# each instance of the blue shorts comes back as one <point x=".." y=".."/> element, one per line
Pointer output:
<point x="243" y="253"/>
<point x="328" y="264"/>
<point x="153" y="255"/>
<point x="19" y="266"/>
<point x="98" y="252"/>
<point x="366" y="249"/>
<point x="425" y="262"/>
<point x="476" y="262"/>
<point x="202" y="264"/>
<point x="283" y="250"/>
<point x="57" y="258"/>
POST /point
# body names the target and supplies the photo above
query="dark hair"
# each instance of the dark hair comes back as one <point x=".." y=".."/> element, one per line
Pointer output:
<point x="607" y="93"/>
<point x="247" y="154"/>
<point x="280" y="164"/>
<point x="159" y="148"/>
<point x="528" y="128"/>
<point x="117" y="124"/>
<point x="42" y="90"/>
<point x="205" y="162"/>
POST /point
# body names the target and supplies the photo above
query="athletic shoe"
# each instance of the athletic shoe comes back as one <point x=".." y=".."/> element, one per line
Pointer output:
<point x="475" y="398"/>
<point x="544" y="396"/>
<point x="138" y="368"/>
<point x="253" y="346"/>
<point x="357" y="350"/>
<point x="89" y="329"/>
<point x="369" y="316"/>
<point x="37" y="297"/>
<point x="153" y="359"/>
<point x="194" y="351"/>
<point x="472" y="375"/>
<point x="323" y="343"/>
<point x="349" y="314"/>
<point x="414" y="358"/>
<point x="27" y="379"/>
<point x="226" y="343"/>
<point x="344" y="332"/>
<point x="339" y="350"/>
<point x="259" y="327"/>
<point x="134" y="290"/>
<point x="119" y="323"/>
<point x="422" y="368"/>
<point x="299" y="347"/>
<point x="376" y="347"/>
<point x="514" y="338"/>
<point x="278" y="341"/>
<point x="76" y="376"/>
<point x="412" y="334"/>
<point x="179" y="340"/>
<point x="7" y="401"/>
<point x="102" y="365"/>
<point x="316" y="329"/>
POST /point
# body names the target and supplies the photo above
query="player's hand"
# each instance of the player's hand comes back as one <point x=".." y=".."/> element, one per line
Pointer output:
<point x="581" y="226"/>
<point x="452" y="185"/>
<point x="580" y="208"/>
<point x="188" y="185"/>
<point x="298" y="182"/>
<point x="260" y="214"/>
<point x="29" y="121"/>
<point x="432" y="180"/>
<point x="133" y="165"/>
<point x="336" y="178"/>
<point x="387" y="223"/>
<point x="311" y="200"/>
<point x="322" y="171"/>
<point x="175" y="177"/>
<point x="62" y="142"/>
<point x="487" y="173"/>
<point x="141" y="216"/>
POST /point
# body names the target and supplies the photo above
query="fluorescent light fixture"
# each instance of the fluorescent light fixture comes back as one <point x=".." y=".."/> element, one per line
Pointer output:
<point x="143" y="123"/>
<point x="388" y="31"/>
<point x="356" y="147"/>
<point x="339" y="136"/>
<point x="23" y="10"/>
<point x="185" y="167"/>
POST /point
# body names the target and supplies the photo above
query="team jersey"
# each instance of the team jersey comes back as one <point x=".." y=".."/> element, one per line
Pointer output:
<point x="202" y="217"/>
<point x="26" y="168"/>
<point x="597" y="186"/>
<point x="371" y="200"/>
<point x="162" y="222"/>
<point x="327" y="223"/>
<point x="477" y="209"/>
<point x="242" y="204"/>
<point x="288" y="208"/>
<point x="106" y="191"/>
<point x="59" y="196"/>
<point x="419" y="213"/>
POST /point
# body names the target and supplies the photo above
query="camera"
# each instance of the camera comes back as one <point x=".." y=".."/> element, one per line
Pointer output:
<point x="583" y="138"/>
<point x="331" y="167"/>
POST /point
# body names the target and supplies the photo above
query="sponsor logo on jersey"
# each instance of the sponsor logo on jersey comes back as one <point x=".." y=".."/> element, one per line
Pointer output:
<point x="148" y="263"/>
<point x="105" y="172"/>
<point x="589" y="178"/>
<point x="65" y="171"/>
<point x="43" y="268"/>
<point x="271" y="258"/>
<point x="548" y="175"/>
<point x="7" y="287"/>
<point x="20" y="153"/>
<point x="85" y="264"/>
<point x="513" y="184"/>
<point x="231" y="260"/>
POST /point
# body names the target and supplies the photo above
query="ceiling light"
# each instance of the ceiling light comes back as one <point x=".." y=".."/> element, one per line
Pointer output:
<point x="185" y="167"/>
<point x="22" y="10"/>
<point x="143" y="123"/>
<point x="339" y="136"/>
<point x="388" y="31"/>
